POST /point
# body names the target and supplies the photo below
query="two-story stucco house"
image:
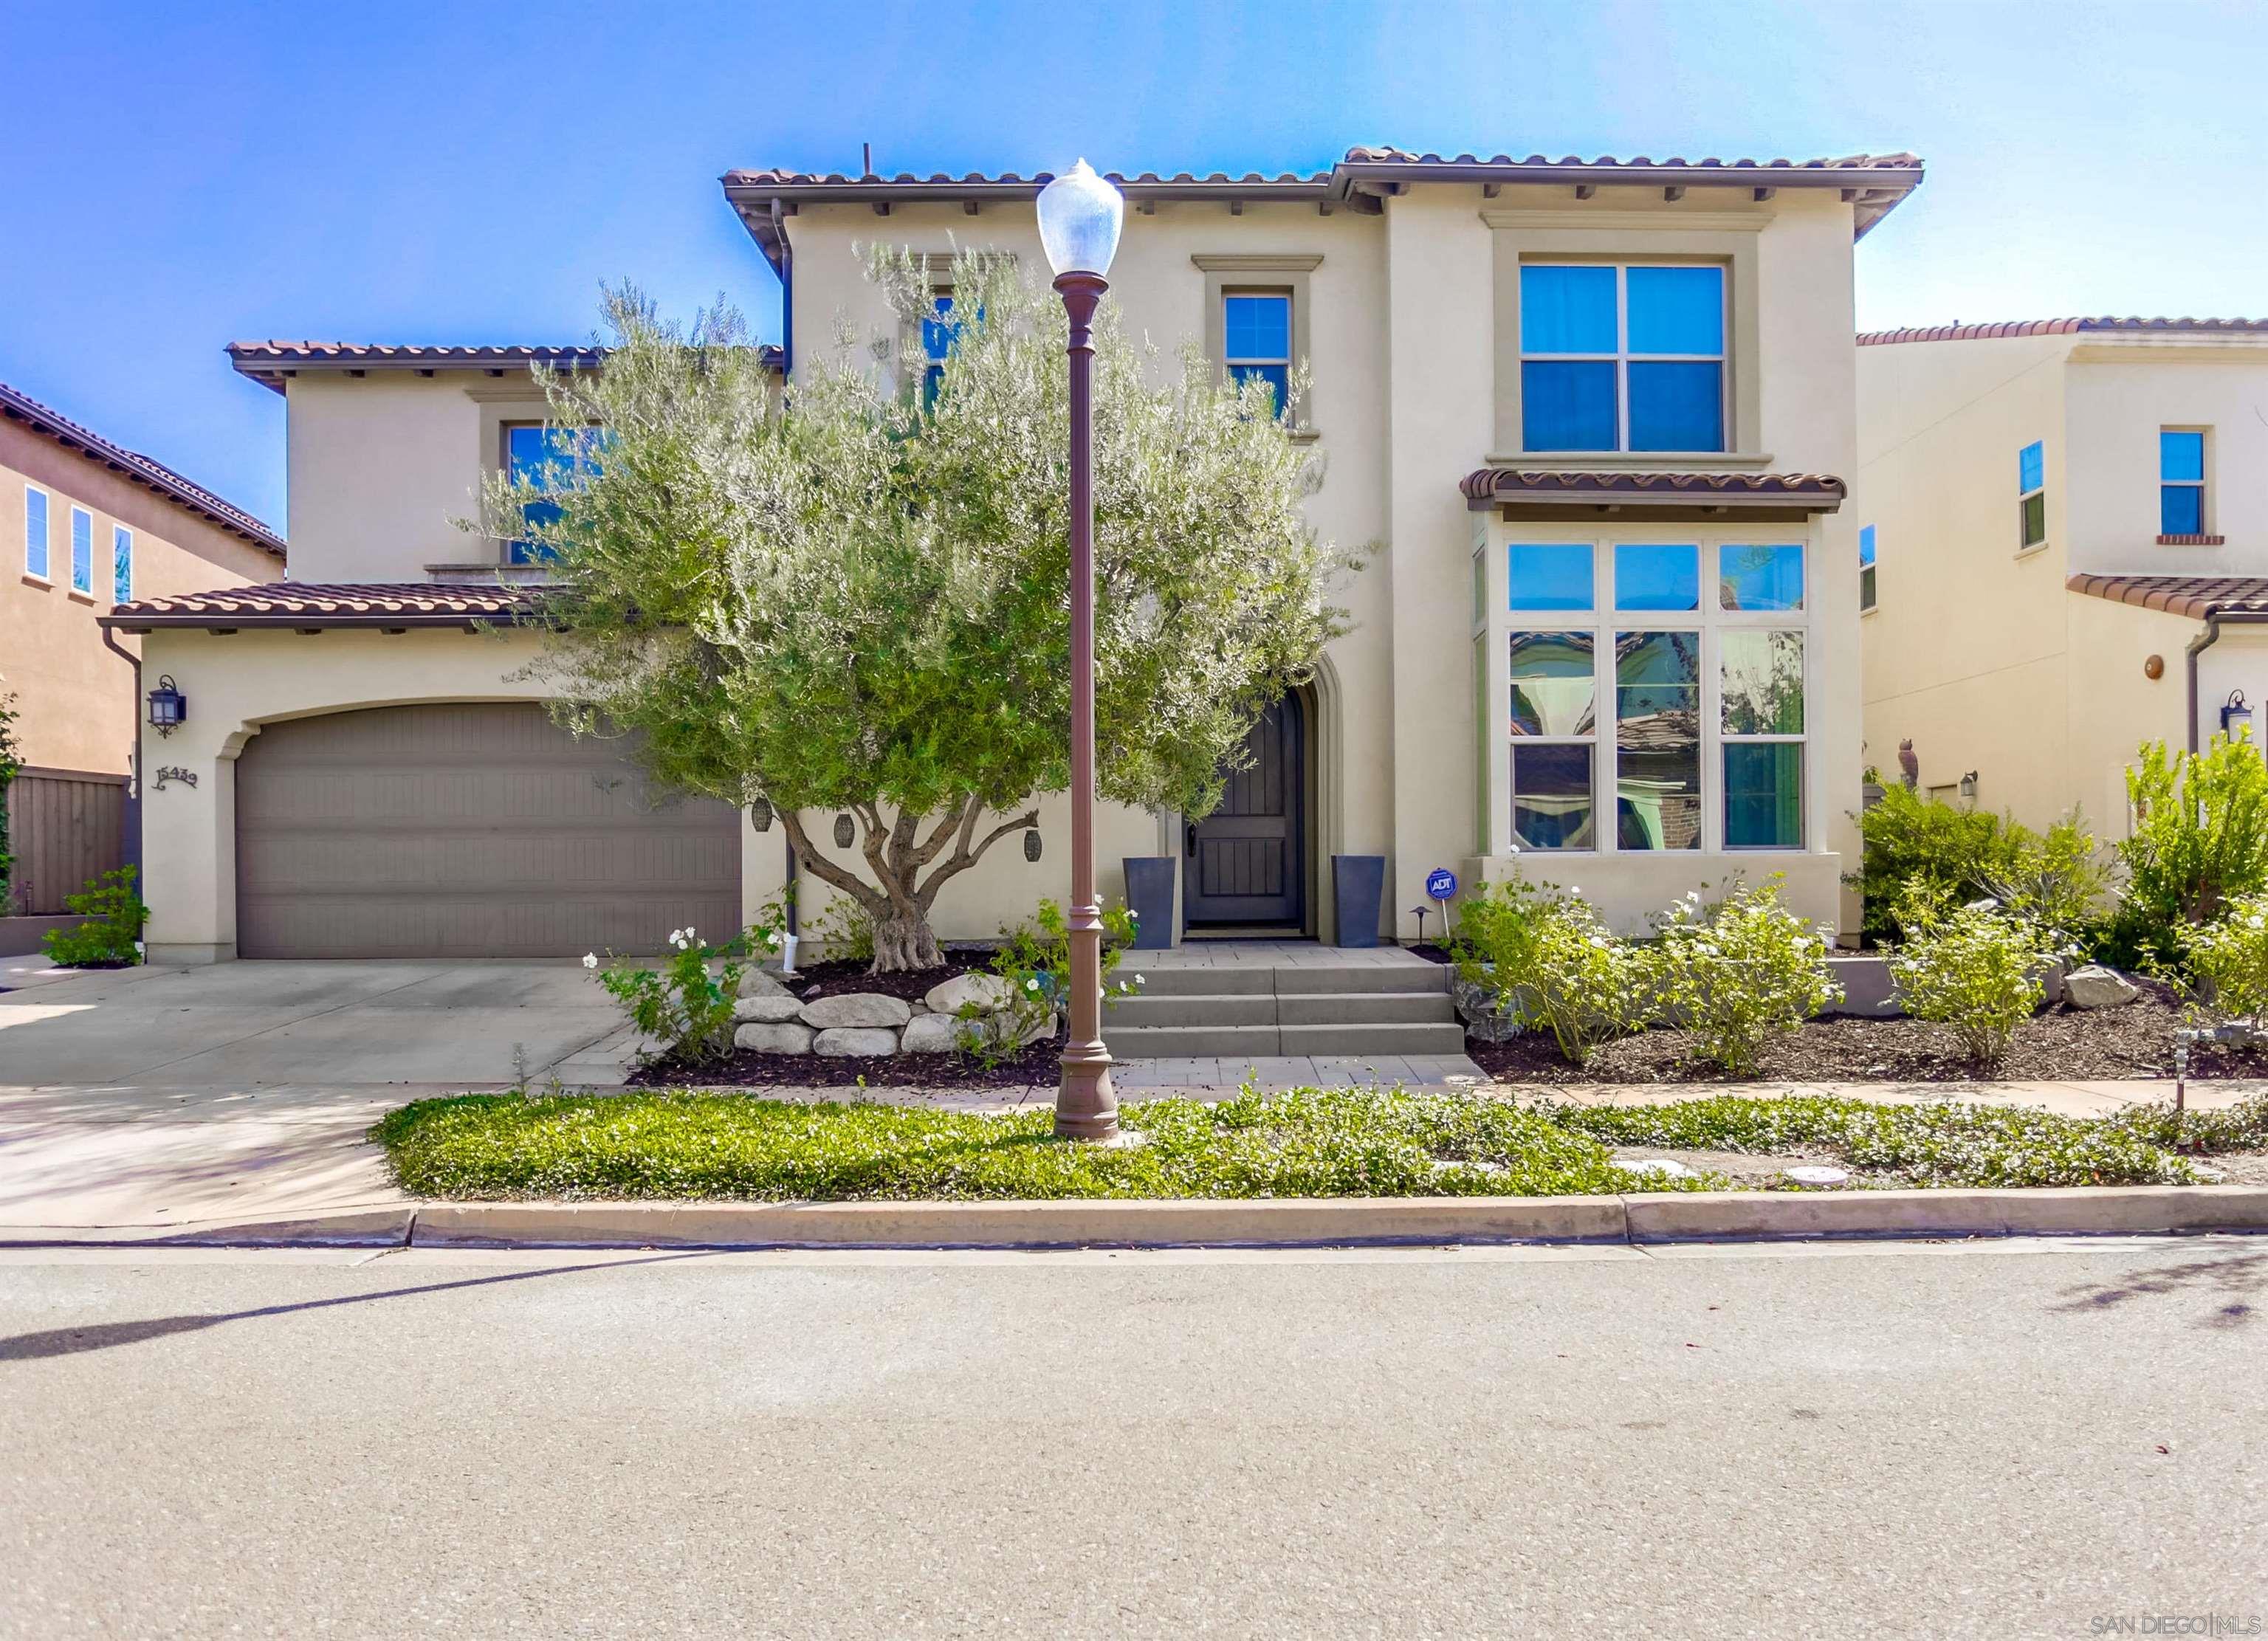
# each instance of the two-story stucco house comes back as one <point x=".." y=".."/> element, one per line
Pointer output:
<point x="1597" y="417"/>
<point x="2063" y="530"/>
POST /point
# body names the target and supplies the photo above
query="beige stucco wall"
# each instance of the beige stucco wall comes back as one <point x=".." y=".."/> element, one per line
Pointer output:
<point x="74" y="694"/>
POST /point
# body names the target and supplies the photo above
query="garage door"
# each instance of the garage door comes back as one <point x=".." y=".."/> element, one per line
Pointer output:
<point x="472" y="830"/>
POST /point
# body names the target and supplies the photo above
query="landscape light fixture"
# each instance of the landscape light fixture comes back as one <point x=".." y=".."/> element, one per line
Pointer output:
<point x="1080" y="215"/>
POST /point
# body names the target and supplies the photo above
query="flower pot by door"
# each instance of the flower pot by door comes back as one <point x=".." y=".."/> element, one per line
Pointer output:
<point x="1357" y="886"/>
<point x="1150" y="897"/>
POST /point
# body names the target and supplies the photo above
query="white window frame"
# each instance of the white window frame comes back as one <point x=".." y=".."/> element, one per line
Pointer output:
<point x="1229" y="361"/>
<point x="1870" y="580"/>
<point x="84" y="585"/>
<point x="43" y="572"/>
<point x="2024" y="495"/>
<point x="1622" y="357"/>
<point x="122" y="542"/>
<point x="1603" y="621"/>
<point x="2204" y="469"/>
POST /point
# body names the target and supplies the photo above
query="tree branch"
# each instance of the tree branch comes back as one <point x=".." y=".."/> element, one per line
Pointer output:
<point x="963" y="857"/>
<point x="825" y="870"/>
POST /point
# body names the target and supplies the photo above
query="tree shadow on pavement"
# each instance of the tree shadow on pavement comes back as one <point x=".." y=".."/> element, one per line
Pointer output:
<point x="53" y="1342"/>
<point x="2230" y="1277"/>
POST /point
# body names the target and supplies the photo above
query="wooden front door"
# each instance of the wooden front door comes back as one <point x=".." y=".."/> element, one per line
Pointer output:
<point x="1246" y="863"/>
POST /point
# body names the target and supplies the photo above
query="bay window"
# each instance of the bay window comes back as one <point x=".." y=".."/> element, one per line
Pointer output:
<point x="1621" y="357"/>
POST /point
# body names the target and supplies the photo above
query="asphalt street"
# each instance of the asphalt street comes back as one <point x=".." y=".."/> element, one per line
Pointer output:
<point x="1990" y="1439"/>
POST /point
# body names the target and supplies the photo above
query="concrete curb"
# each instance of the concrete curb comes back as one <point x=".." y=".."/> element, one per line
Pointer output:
<point x="1319" y="1222"/>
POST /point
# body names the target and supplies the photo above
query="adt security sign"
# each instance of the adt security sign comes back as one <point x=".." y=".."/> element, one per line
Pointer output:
<point x="1441" y="884"/>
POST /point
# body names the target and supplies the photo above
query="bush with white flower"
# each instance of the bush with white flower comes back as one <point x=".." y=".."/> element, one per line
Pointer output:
<point x="1034" y="958"/>
<point x="1738" y="971"/>
<point x="2228" y="958"/>
<point x="1978" y="968"/>
<point x="1551" y="963"/>
<point x="686" y="1002"/>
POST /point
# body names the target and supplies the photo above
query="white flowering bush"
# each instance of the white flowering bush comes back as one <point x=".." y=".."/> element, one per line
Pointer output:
<point x="1976" y="969"/>
<point x="2228" y="959"/>
<point x="1738" y="971"/>
<point x="686" y="1003"/>
<point x="1034" y="958"/>
<point x="1551" y="963"/>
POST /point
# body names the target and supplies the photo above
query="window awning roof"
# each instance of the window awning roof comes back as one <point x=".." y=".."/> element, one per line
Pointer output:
<point x="1638" y="491"/>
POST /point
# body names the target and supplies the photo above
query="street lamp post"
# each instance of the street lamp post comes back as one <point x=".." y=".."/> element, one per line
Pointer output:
<point x="1080" y="215"/>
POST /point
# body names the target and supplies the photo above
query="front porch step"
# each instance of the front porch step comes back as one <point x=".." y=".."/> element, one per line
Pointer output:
<point x="1184" y="980"/>
<point x="1368" y="1008"/>
<point x="1146" y="1042"/>
<point x="1247" y="1042"/>
<point x="1392" y="1037"/>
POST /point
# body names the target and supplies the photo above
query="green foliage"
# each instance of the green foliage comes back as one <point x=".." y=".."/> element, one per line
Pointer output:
<point x="686" y="1003"/>
<point x="1305" y="1142"/>
<point x="842" y="929"/>
<point x="1940" y="1142"/>
<point x="1551" y="962"/>
<point x="115" y="915"/>
<point x="847" y="597"/>
<point x="2200" y="838"/>
<point x="1737" y="973"/>
<point x="1033" y="958"/>
<point x="1975" y="968"/>
<point x="1970" y="854"/>
<point x="2241" y="1127"/>
<point x="2228" y="958"/>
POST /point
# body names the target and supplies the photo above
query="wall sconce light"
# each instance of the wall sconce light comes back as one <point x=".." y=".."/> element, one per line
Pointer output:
<point x="169" y="707"/>
<point x="760" y="814"/>
<point x="2235" y="715"/>
<point x="1032" y="844"/>
<point x="1969" y="784"/>
<point x="2154" y="667"/>
<point x="843" y="831"/>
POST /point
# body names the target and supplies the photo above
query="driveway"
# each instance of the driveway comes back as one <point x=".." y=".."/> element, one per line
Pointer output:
<point x="171" y="1097"/>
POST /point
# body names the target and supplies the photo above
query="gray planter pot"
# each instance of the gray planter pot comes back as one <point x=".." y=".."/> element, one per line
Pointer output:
<point x="1358" y="888"/>
<point x="1150" y="896"/>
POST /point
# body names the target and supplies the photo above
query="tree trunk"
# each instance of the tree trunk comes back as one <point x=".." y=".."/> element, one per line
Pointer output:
<point x="898" y="898"/>
<point x="905" y="943"/>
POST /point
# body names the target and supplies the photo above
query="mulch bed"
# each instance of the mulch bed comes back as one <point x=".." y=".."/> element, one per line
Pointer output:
<point x="844" y="975"/>
<point x="2058" y="1044"/>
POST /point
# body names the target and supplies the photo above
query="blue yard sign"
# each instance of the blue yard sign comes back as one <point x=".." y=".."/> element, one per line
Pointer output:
<point x="1441" y="883"/>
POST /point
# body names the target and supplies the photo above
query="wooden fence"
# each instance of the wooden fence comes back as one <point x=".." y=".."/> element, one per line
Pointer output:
<point x="64" y="826"/>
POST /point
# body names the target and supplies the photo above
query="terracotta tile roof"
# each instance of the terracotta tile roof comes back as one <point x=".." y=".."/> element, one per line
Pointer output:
<point x="1010" y="181"/>
<point x="1811" y="492"/>
<point x="269" y="362"/>
<point x="345" y="603"/>
<point x="1608" y="162"/>
<point x="2196" y="597"/>
<point x="138" y="468"/>
<point x="2058" y="327"/>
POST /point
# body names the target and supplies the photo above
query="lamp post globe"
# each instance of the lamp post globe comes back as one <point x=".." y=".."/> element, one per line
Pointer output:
<point x="1080" y="215"/>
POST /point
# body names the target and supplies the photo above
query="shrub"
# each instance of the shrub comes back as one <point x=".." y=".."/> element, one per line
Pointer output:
<point x="1969" y="854"/>
<point x="683" y="1003"/>
<point x="2200" y="838"/>
<point x="1551" y="961"/>
<point x="115" y="916"/>
<point x="1738" y="973"/>
<point x="2228" y="957"/>
<point x="842" y="929"/>
<point x="1034" y="958"/>
<point x="1977" y="969"/>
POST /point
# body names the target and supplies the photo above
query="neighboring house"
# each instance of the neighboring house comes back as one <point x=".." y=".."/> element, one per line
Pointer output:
<point x="2063" y="540"/>
<point x="1596" y="416"/>
<point x="89" y="525"/>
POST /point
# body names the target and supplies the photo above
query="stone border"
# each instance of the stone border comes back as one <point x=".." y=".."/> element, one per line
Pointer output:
<point x="1315" y="1222"/>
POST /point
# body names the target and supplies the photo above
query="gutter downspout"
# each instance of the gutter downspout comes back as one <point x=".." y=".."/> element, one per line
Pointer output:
<point x="110" y="643"/>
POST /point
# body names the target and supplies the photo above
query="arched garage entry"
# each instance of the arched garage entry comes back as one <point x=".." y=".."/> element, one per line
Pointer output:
<point x="471" y="829"/>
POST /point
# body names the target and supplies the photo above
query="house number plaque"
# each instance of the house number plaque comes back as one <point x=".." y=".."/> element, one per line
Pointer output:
<point x="173" y="772"/>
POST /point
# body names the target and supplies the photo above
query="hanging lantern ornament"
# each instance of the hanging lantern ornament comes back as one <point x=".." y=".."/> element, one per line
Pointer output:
<point x="843" y="831"/>
<point x="1032" y="844"/>
<point x="760" y="814"/>
<point x="168" y="707"/>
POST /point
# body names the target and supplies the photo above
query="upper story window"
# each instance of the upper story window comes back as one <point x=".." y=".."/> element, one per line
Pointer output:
<point x="2032" y="501"/>
<point x="937" y="334"/>
<point x="1622" y="356"/>
<point x="82" y="551"/>
<point x="122" y="565"/>
<point x="1866" y="567"/>
<point x="35" y="533"/>
<point x="546" y="458"/>
<point x="1256" y="339"/>
<point x="2181" y="482"/>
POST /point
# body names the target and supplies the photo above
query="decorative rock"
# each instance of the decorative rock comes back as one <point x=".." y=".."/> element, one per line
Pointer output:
<point x="1483" y="1016"/>
<point x="1817" y="1175"/>
<point x="855" y="1041"/>
<point x="1657" y="1167"/>
<point x="766" y="1008"/>
<point x="989" y="992"/>
<point x="2095" y="987"/>
<point x="867" y="1009"/>
<point x="773" y="1038"/>
<point x="930" y="1033"/>
<point x="757" y="982"/>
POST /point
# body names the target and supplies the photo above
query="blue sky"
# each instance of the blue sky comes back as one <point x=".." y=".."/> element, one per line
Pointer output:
<point x="181" y="176"/>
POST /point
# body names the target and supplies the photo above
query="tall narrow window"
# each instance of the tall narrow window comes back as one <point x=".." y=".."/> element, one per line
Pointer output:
<point x="122" y="565"/>
<point x="1256" y="342"/>
<point x="548" y="458"/>
<point x="2032" y="497"/>
<point x="35" y="533"/>
<point x="2181" y="482"/>
<point x="82" y="551"/>
<point x="1760" y="673"/>
<point x="937" y="334"/>
<point x="1554" y="728"/>
<point x="1616" y="357"/>
<point x="1866" y="566"/>
<point x="1657" y="740"/>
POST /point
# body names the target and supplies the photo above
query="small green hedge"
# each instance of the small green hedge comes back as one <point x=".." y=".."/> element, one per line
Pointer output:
<point x="1304" y="1142"/>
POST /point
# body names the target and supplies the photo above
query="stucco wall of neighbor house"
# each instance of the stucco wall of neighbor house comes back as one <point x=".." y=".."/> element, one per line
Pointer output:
<point x="1967" y="653"/>
<point x="2122" y="391"/>
<point x="74" y="694"/>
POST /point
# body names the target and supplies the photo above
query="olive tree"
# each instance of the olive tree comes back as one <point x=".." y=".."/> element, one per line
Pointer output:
<point x="851" y="595"/>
